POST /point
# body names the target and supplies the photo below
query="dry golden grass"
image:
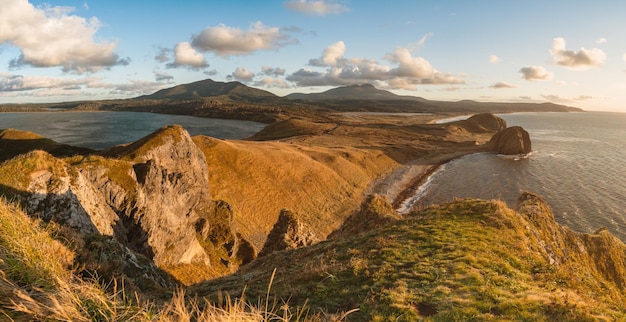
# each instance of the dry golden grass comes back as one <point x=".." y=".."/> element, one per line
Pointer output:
<point x="470" y="260"/>
<point x="321" y="184"/>
<point x="37" y="283"/>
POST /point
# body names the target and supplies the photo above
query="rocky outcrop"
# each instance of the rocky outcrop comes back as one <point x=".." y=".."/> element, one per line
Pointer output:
<point x="600" y="255"/>
<point x="167" y="213"/>
<point x="288" y="233"/>
<point x="484" y="122"/>
<point x="151" y="196"/>
<point x="375" y="212"/>
<point x="511" y="141"/>
<point x="55" y="193"/>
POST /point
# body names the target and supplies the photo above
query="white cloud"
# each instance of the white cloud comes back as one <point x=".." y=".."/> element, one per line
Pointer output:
<point x="601" y="41"/>
<point x="581" y="59"/>
<point x="494" y="59"/>
<point x="20" y="83"/>
<point x="226" y="41"/>
<point x="409" y="66"/>
<point x="271" y="71"/>
<point x="332" y="56"/>
<point x="535" y="73"/>
<point x="624" y="57"/>
<point x="316" y="7"/>
<point x="406" y="71"/>
<point x="243" y="75"/>
<point x="501" y="85"/>
<point x="187" y="56"/>
<point x="43" y="86"/>
<point x="273" y="82"/>
<point x="163" y="77"/>
<point x="51" y="36"/>
<point x="422" y="40"/>
<point x="556" y="98"/>
<point x="164" y="55"/>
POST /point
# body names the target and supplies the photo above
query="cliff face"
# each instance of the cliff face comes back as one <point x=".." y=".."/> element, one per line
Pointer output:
<point x="466" y="260"/>
<point x="511" y="141"/>
<point x="159" y="214"/>
<point x="151" y="196"/>
<point x="288" y="233"/>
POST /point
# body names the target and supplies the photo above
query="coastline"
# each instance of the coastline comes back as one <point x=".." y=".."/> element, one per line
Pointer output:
<point x="403" y="183"/>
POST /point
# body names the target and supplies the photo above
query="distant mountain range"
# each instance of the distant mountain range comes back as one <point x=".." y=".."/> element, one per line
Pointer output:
<point x="234" y="100"/>
<point x="209" y="88"/>
<point x="344" y="98"/>
<point x="353" y="92"/>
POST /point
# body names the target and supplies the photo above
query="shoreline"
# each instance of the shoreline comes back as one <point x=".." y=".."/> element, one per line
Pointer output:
<point x="404" y="182"/>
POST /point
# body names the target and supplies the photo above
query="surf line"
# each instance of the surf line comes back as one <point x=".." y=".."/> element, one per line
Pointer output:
<point x="416" y="189"/>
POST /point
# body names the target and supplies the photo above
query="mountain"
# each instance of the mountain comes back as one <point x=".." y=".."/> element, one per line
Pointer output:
<point x="366" y="97"/>
<point x="352" y="92"/>
<point x="209" y="88"/>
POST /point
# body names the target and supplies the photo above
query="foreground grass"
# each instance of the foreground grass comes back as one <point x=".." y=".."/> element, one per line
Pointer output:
<point x="37" y="283"/>
<point x="470" y="260"/>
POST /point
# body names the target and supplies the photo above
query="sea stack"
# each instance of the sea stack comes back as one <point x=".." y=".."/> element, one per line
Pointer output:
<point x="510" y="141"/>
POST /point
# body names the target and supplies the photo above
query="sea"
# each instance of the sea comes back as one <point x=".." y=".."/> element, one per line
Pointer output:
<point x="578" y="165"/>
<point x="100" y="130"/>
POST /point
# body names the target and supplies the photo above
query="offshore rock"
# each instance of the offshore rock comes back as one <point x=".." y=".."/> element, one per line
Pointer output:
<point x="511" y="141"/>
<point x="288" y="233"/>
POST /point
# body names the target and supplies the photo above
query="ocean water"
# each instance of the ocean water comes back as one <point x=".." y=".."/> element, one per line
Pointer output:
<point x="578" y="165"/>
<point x="99" y="130"/>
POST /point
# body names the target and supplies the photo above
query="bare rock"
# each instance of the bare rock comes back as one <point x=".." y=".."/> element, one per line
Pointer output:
<point x="288" y="233"/>
<point x="375" y="212"/>
<point x="511" y="141"/>
<point x="55" y="193"/>
<point x="484" y="122"/>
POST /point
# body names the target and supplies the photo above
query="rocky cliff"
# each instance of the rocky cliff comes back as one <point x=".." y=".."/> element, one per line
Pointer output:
<point x="288" y="233"/>
<point x="151" y="196"/>
<point x="466" y="260"/>
<point x="511" y="141"/>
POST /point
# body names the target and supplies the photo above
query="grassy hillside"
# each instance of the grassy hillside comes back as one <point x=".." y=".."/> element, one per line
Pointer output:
<point x="37" y="283"/>
<point x="258" y="179"/>
<point x="467" y="260"/>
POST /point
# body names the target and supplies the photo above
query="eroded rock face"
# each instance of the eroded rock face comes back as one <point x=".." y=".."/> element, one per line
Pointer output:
<point x="511" y="141"/>
<point x="375" y="212"/>
<point x="170" y="216"/>
<point x="151" y="196"/>
<point x="288" y="233"/>
<point x="602" y="253"/>
<point x="54" y="194"/>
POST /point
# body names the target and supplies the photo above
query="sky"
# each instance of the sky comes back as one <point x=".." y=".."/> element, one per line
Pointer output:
<point x="566" y="52"/>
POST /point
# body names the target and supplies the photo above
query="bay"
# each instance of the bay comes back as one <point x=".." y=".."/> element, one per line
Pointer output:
<point x="577" y="165"/>
<point x="100" y="130"/>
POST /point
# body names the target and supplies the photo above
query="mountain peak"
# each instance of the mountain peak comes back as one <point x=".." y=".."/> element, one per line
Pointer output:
<point x="210" y="88"/>
<point x="351" y="92"/>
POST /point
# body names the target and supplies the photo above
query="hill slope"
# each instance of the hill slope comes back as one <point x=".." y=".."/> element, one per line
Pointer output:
<point x="467" y="260"/>
<point x="368" y="98"/>
<point x="209" y="88"/>
<point x="352" y="92"/>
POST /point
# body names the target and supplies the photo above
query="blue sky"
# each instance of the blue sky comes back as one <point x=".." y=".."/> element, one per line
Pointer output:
<point x="567" y="52"/>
